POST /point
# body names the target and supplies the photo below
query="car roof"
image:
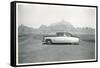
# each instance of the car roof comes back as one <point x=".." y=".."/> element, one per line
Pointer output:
<point x="63" y="32"/>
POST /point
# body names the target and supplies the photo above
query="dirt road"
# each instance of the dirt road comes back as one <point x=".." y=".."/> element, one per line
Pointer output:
<point x="32" y="50"/>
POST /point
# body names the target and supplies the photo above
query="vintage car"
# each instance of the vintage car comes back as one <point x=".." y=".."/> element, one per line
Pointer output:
<point x="61" y="37"/>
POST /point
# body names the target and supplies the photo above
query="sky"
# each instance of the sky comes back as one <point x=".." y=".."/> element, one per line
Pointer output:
<point x="35" y="15"/>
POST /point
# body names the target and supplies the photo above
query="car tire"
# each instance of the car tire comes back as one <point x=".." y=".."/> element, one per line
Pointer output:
<point x="76" y="43"/>
<point x="48" y="41"/>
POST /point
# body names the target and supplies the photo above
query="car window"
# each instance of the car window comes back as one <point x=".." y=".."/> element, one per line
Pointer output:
<point x="64" y="34"/>
<point x="60" y="34"/>
<point x="69" y="35"/>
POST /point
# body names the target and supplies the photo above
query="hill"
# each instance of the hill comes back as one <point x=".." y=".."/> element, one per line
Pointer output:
<point x="61" y="26"/>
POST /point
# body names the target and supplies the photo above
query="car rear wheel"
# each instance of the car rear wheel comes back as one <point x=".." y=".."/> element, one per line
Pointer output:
<point x="76" y="43"/>
<point x="48" y="41"/>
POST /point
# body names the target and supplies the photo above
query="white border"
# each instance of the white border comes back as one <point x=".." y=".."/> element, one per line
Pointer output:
<point x="16" y="34"/>
<point x="51" y="61"/>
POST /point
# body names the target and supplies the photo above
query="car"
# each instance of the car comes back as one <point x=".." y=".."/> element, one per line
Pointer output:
<point x="61" y="37"/>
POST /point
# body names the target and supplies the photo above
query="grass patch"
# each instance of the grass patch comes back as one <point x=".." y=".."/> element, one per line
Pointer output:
<point x="87" y="37"/>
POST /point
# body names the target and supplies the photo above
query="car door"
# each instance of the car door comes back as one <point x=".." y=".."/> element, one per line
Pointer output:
<point x="59" y="39"/>
<point x="67" y="38"/>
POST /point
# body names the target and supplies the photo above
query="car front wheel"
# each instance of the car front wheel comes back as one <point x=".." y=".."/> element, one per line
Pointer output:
<point x="48" y="41"/>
